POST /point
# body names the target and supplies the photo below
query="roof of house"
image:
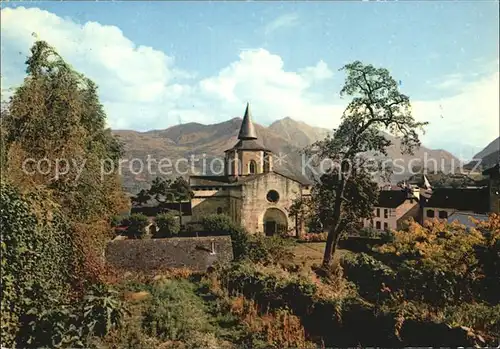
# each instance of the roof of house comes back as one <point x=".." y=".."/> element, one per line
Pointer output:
<point x="475" y="200"/>
<point x="392" y="198"/>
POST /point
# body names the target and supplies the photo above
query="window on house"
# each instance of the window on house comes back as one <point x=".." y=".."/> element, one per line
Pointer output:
<point x="386" y="226"/>
<point x="430" y="213"/>
<point x="377" y="224"/>
<point x="443" y="214"/>
<point x="252" y="167"/>
<point x="378" y="212"/>
<point x="386" y="213"/>
<point x="219" y="210"/>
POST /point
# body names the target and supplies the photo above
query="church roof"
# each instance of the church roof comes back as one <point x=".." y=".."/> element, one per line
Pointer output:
<point x="249" y="144"/>
<point x="234" y="181"/>
<point x="247" y="130"/>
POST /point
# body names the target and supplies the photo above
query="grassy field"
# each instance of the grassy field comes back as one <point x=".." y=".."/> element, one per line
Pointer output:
<point x="312" y="253"/>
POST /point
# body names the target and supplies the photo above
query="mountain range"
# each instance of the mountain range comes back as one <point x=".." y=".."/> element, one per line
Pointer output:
<point x="195" y="142"/>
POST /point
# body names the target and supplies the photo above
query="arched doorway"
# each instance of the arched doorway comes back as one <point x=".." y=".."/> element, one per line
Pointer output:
<point x="275" y="222"/>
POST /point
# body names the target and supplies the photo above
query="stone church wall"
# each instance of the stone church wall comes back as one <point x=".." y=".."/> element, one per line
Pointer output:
<point x="255" y="203"/>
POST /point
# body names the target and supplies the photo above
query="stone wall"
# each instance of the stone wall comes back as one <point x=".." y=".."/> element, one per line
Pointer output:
<point x="153" y="254"/>
<point x="207" y="202"/>
<point x="255" y="204"/>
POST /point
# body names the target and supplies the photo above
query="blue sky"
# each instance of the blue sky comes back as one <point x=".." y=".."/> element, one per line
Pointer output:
<point x="201" y="61"/>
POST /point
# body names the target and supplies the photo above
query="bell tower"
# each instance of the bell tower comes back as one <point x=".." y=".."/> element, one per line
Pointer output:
<point x="248" y="156"/>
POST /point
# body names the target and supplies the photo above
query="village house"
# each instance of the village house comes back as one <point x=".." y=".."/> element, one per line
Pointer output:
<point x="393" y="208"/>
<point x="457" y="204"/>
<point x="251" y="191"/>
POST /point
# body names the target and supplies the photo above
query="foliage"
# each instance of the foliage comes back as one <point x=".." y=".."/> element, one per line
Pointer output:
<point x="267" y="249"/>
<point x="37" y="257"/>
<point x="55" y="135"/>
<point x="99" y="313"/>
<point x="116" y="220"/>
<point x="437" y="263"/>
<point x="142" y="197"/>
<point x="370" y="275"/>
<point x="168" y="225"/>
<point x="217" y="223"/>
<point x="137" y="223"/>
<point x="257" y="248"/>
<point x="102" y="310"/>
<point x="478" y="316"/>
<point x="166" y="190"/>
<point x="175" y="312"/>
<point x="346" y="193"/>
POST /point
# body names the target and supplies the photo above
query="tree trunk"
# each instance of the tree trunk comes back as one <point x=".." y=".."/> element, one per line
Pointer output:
<point x="334" y="231"/>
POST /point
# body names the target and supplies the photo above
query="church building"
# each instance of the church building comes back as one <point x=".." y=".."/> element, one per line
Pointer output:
<point x="251" y="192"/>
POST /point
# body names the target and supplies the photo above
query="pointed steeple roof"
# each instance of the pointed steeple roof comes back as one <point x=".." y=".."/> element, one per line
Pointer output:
<point x="247" y="131"/>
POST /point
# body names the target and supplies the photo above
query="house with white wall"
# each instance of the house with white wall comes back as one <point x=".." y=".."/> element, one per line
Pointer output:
<point x="392" y="209"/>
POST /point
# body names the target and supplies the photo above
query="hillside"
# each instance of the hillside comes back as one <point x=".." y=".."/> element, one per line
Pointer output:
<point x="285" y="136"/>
<point x="490" y="155"/>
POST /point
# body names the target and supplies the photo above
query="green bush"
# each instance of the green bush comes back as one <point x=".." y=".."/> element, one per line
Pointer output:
<point x="73" y="326"/>
<point x="37" y="258"/>
<point x="267" y="249"/>
<point x="483" y="317"/>
<point x="368" y="274"/>
<point x="168" y="225"/>
<point x="115" y="220"/>
<point x="137" y="224"/>
<point x="269" y="286"/>
<point x="103" y="310"/>
<point x="217" y="223"/>
<point x="175" y="312"/>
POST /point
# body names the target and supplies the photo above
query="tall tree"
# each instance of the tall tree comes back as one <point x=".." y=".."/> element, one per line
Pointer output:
<point x="346" y="191"/>
<point x="166" y="190"/>
<point x="181" y="192"/>
<point x="56" y="139"/>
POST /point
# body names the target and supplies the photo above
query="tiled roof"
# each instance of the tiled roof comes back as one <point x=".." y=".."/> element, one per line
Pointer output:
<point x="475" y="200"/>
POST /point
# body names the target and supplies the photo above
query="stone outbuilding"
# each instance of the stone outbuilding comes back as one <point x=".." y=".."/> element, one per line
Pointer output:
<point x="251" y="192"/>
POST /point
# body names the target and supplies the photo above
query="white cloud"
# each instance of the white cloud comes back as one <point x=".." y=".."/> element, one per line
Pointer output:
<point x="284" y="21"/>
<point x="142" y="88"/>
<point x="465" y="122"/>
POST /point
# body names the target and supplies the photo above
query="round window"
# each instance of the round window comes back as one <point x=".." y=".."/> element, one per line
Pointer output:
<point x="273" y="196"/>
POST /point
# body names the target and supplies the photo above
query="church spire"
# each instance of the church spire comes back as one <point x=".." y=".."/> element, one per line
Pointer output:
<point x="247" y="131"/>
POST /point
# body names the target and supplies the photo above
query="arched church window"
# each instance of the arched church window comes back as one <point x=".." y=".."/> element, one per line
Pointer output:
<point x="252" y="167"/>
<point x="273" y="196"/>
